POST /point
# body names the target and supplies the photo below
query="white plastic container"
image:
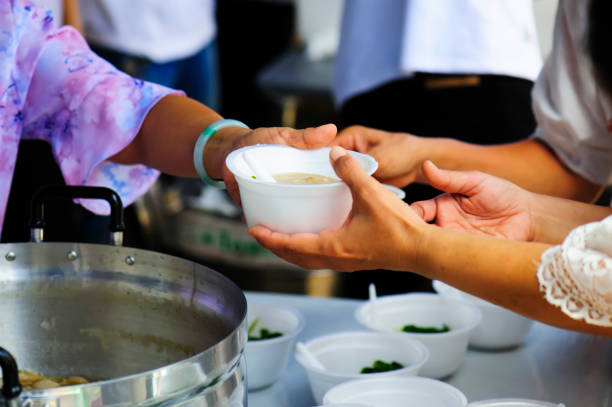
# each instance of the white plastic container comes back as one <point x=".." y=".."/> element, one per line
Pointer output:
<point x="499" y="328"/>
<point x="397" y="392"/>
<point x="290" y="208"/>
<point x="396" y="191"/>
<point x="344" y="355"/>
<point x="267" y="359"/>
<point x="447" y="349"/>
<point x="513" y="403"/>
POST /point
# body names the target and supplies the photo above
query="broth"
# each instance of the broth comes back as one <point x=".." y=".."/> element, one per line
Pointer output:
<point x="303" y="178"/>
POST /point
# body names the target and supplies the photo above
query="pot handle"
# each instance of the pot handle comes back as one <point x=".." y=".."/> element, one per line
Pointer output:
<point x="11" y="387"/>
<point x="37" y="210"/>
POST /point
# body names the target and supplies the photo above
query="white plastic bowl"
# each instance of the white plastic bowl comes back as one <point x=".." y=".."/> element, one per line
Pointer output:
<point x="499" y="328"/>
<point x="396" y="191"/>
<point x="290" y="208"/>
<point x="267" y="359"/>
<point x="447" y="349"/>
<point x="397" y="392"/>
<point x="513" y="403"/>
<point x="344" y="355"/>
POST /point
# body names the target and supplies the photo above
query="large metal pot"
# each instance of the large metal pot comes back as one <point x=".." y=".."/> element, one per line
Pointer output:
<point x="153" y="328"/>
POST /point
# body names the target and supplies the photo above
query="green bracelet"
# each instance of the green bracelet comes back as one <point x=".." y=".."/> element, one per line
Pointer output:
<point x="198" y="151"/>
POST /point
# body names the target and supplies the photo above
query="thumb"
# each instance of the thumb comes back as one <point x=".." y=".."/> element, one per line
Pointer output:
<point x="454" y="182"/>
<point x="348" y="168"/>
<point x="425" y="209"/>
<point x="315" y="137"/>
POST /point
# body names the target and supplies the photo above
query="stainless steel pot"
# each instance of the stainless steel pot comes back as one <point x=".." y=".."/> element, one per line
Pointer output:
<point x="154" y="329"/>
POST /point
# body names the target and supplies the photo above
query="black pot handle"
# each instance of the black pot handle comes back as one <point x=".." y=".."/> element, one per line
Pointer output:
<point x="37" y="210"/>
<point x="11" y="388"/>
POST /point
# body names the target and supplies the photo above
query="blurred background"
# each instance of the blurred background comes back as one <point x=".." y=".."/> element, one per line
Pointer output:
<point x="264" y="62"/>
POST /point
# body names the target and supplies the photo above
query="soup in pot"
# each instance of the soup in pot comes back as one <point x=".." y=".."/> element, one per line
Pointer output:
<point x="30" y="380"/>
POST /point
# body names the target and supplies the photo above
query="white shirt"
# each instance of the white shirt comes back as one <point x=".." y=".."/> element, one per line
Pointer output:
<point x="161" y="30"/>
<point x="571" y="110"/>
<point x="384" y="40"/>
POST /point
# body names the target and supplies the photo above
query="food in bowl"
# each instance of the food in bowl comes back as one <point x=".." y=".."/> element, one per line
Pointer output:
<point x="292" y="208"/>
<point x="412" y="328"/>
<point x="342" y="355"/>
<point x="267" y="359"/>
<point x="30" y="380"/>
<point x="264" y="333"/>
<point x="381" y="366"/>
<point x="447" y="349"/>
<point x="303" y="178"/>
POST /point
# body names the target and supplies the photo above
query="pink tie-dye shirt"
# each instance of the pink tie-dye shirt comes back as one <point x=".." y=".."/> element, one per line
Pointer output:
<point x="52" y="87"/>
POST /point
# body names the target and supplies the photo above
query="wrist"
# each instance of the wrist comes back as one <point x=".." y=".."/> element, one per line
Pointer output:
<point x="220" y="144"/>
<point x="433" y="149"/>
<point x="428" y="238"/>
<point x="535" y="217"/>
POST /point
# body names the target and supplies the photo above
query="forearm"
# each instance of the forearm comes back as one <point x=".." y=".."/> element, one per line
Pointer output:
<point x="168" y="135"/>
<point x="529" y="164"/>
<point x="553" y="218"/>
<point x="500" y="271"/>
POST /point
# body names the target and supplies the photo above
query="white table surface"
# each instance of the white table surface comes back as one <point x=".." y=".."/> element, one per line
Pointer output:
<point x="552" y="365"/>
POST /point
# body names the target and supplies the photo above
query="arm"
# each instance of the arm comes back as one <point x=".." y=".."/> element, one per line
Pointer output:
<point x="529" y="163"/>
<point x="500" y="271"/>
<point x="479" y="203"/>
<point x="383" y="232"/>
<point x="553" y="218"/>
<point x="169" y="132"/>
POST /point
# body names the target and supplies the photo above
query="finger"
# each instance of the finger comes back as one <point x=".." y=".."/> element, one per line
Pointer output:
<point x="454" y="182"/>
<point x="313" y="137"/>
<point x="351" y="141"/>
<point x="349" y="169"/>
<point x="425" y="209"/>
<point x="231" y="185"/>
<point x="300" y="249"/>
<point x="357" y="138"/>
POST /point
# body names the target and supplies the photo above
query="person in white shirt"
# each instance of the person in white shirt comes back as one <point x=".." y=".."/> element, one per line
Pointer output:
<point x="442" y="68"/>
<point x="166" y="42"/>
<point x="490" y="237"/>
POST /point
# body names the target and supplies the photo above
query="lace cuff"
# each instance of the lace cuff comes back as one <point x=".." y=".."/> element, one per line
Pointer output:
<point x="577" y="275"/>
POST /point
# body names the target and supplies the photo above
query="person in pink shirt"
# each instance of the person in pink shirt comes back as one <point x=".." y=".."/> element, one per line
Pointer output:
<point x="106" y="128"/>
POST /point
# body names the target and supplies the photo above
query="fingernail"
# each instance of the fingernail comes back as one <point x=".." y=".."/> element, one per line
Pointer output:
<point x="336" y="152"/>
<point x="328" y="126"/>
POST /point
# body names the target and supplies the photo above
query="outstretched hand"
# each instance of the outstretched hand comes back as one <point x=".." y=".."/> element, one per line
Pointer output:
<point x="380" y="232"/>
<point x="477" y="203"/>
<point x="397" y="153"/>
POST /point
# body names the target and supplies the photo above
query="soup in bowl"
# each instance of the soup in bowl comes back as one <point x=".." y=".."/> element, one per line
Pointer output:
<point x="309" y="196"/>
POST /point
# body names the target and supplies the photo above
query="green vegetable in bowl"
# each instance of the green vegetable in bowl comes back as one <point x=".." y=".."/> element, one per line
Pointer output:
<point x="379" y="366"/>
<point x="264" y="333"/>
<point x="411" y="328"/>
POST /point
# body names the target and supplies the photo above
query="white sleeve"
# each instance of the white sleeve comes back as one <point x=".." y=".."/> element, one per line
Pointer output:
<point x="571" y="110"/>
<point x="577" y="275"/>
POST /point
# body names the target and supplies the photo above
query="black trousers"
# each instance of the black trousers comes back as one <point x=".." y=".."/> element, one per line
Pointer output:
<point x="480" y="109"/>
<point x="65" y="220"/>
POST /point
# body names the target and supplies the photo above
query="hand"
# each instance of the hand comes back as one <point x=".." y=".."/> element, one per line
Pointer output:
<point x="221" y="146"/>
<point x="398" y="154"/>
<point x="477" y="203"/>
<point x="380" y="232"/>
